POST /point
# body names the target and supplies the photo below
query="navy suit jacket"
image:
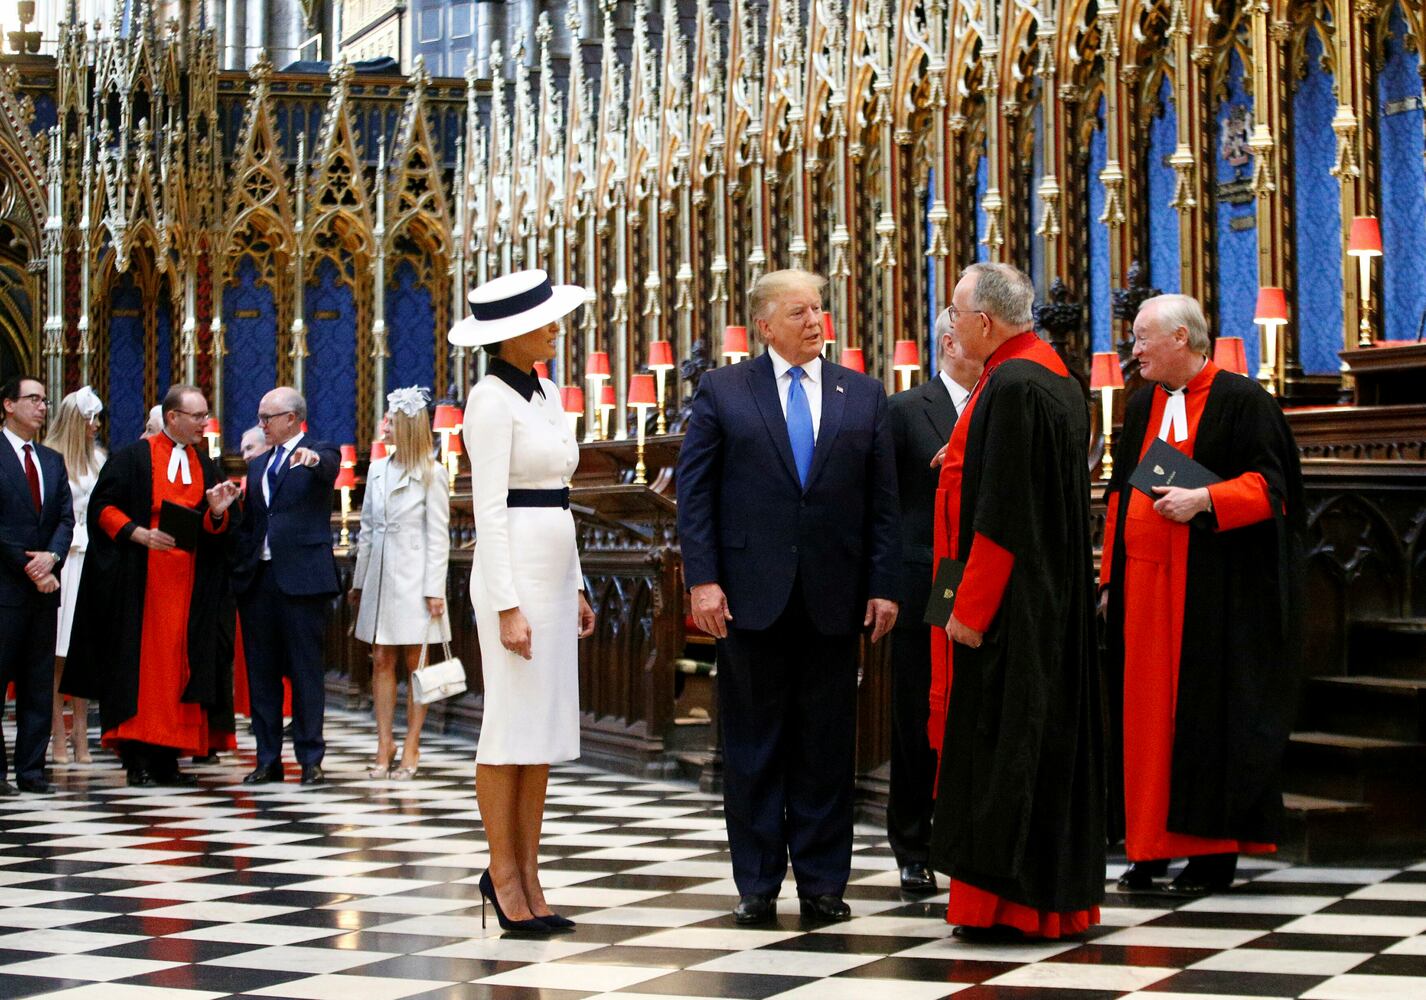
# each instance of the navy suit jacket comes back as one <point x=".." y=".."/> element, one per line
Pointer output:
<point x="23" y="530"/>
<point x="298" y="525"/>
<point x="746" y="523"/>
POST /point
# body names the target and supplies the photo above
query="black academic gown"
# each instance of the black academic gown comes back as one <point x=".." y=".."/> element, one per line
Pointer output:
<point x="1020" y="808"/>
<point x="1239" y="675"/>
<point x="103" y="661"/>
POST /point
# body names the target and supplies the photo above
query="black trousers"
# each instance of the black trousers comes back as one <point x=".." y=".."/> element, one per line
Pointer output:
<point x="787" y="702"/>
<point x="282" y="637"/>
<point x="27" y="634"/>
<point x="913" y="762"/>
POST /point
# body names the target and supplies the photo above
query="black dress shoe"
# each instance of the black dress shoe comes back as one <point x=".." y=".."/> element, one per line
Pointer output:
<point x="312" y="775"/>
<point x="916" y="877"/>
<point x="262" y="775"/>
<point x="754" y="909"/>
<point x="142" y="777"/>
<point x="994" y="934"/>
<point x="1205" y="874"/>
<point x="210" y="758"/>
<point x="828" y="906"/>
<point x="179" y="778"/>
<point x="1141" y="874"/>
<point x="6" y="788"/>
<point x="39" y="786"/>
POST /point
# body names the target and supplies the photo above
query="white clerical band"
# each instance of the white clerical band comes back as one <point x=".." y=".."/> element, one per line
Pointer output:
<point x="1175" y="416"/>
<point x="178" y="463"/>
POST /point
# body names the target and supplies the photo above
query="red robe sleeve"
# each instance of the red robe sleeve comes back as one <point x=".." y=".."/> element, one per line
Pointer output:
<point x="1241" y="501"/>
<point x="983" y="585"/>
<point x="112" y="521"/>
<point x="1106" y="558"/>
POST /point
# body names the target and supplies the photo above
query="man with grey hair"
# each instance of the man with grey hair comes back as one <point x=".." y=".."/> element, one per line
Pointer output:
<point x="1201" y="590"/>
<point x="284" y="574"/>
<point x="787" y="520"/>
<point x="1019" y="817"/>
<point x="921" y="421"/>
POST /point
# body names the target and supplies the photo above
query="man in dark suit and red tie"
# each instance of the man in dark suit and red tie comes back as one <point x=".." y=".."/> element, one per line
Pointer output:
<point x="285" y="576"/>
<point x="921" y="421"/>
<point x="36" y="522"/>
<point x="787" y="516"/>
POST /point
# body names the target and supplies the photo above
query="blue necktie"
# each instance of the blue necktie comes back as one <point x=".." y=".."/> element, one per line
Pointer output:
<point x="799" y="424"/>
<point x="272" y="472"/>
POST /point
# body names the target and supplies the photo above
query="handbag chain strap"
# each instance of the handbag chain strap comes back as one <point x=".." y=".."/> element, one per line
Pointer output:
<point x="426" y="646"/>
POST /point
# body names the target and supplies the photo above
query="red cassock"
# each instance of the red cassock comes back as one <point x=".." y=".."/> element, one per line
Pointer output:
<point x="163" y="719"/>
<point x="242" y="701"/>
<point x="1155" y="584"/>
<point x="983" y="584"/>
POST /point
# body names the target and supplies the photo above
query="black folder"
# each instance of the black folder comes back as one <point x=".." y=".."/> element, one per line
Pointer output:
<point x="943" y="592"/>
<point x="183" y="523"/>
<point x="1165" y="465"/>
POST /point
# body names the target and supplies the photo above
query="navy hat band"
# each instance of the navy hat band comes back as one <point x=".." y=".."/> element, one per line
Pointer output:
<point x="512" y="305"/>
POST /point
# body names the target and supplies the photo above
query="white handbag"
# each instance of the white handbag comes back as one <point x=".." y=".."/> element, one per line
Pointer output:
<point x="437" y="681"/>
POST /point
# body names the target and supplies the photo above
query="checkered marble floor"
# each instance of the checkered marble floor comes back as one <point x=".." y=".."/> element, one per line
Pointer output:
<point x="365" y="890"/>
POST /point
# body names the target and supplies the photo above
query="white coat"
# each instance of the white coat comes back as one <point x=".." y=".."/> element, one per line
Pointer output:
<point x="402" y="553"/>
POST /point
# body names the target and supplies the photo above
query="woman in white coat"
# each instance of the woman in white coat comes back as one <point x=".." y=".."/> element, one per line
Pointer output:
<point x="72" y="435"/>
<point x="525" y="585"/>
<point x="399" y="586"/>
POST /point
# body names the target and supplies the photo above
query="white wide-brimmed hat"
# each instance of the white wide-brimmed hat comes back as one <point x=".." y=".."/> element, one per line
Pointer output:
<point x="512" y="305"/>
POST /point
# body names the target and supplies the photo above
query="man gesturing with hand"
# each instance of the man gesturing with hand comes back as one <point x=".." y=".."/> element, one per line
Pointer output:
<point x="787" y="517"/>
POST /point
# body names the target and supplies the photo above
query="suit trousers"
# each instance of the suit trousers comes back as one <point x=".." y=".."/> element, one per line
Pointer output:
<point x="913" y="762"/>
<point x="282" y="637"/>
<point x="787" y="700"/>
<point x="27" y="634"/>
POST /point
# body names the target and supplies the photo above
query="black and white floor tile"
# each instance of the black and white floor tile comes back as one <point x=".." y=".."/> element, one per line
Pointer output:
<point x="365" y="890"/>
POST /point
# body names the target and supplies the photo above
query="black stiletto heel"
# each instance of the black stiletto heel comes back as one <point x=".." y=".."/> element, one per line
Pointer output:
<point x="555" y="922"/>
<point x="487" y="891"/>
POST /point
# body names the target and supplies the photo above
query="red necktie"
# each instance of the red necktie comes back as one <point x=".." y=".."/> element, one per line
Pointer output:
<point x="32" y="475"/>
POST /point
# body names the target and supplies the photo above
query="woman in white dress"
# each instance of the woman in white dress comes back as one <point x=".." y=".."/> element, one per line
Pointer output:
<point x="401" y="568"/>
<point x="72" y="435"/>
<point x="525" y="584"/>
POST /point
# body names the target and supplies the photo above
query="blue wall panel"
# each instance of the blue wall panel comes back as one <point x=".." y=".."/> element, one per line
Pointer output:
<point x="1099" y="314"/>
<point x="982" y="175"/>
<point x="1235" y="225"/>
<point x="330" y="381"/>
<point x="126" y="404"/>
<point x="410" y="332"/>
<point x="251" y="366"/>
<point x="1163" y="218"/>
<point x="1403" y="188"/>
<point x="1318" y="210"/>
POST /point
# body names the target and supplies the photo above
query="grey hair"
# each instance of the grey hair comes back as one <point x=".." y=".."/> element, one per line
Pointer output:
<point x="292" y="400"/>
<point x="775" y="283"/>
<point x="1004" y="292"/>
<point x="945" y="327"/>
<point x="1173" y="311"/>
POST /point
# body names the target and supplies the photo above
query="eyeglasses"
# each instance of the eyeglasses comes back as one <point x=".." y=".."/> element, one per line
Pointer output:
<point x="35" y="397"/>
<point x="958" y="313"/>
<point x="196" y="416"/>
<point x="267" y="418"/>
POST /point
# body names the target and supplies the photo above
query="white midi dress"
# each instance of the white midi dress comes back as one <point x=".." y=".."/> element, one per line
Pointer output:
<point x="402" y="552"/>
<point x="525" y="557"/>
<point x="79" y="490"/>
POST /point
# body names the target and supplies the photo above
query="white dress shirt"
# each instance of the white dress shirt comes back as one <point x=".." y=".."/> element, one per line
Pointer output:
<point x="811" y="385"/>
<point x="959" y="394"/>
<point x="288" y="447"/>
<point x="18" y="443"/>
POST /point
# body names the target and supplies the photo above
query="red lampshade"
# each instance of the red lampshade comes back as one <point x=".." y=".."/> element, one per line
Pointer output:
<point x="212" y="428"/>
<point x="448" y="417"/>
<point x="542" y="369"/>
<point x="1272" y="306"/>
<point x="454" y="446"/>
<point x="907" y="356"/>
<point x="735" y="341"/>
<point x="827" y="332"/>
<point x="346" y="478"/>
<point x="378" y="450"/>
<point x="304" y="427"/>
<point x="853" y="358"/>
<point x="349" y="454"/>
<point x="606" y="396"/>
<point x="641" y="391"/>
<point x="1366" y="237"/>
<point x="1104" y="371"/>
<point x="572" y="396"/>
<point x="660" y="355"/>
<point x="597" y="365"/>
<point x="1228" y="355"/>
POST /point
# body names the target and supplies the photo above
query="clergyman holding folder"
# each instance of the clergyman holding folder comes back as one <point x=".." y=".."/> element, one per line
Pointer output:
<point x="146" y="619"/>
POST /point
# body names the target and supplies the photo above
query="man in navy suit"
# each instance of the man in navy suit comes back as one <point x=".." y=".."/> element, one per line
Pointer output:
<point x="285" y="576"/>
<point x="36" y="523"/>
<point x="787" y="516"/>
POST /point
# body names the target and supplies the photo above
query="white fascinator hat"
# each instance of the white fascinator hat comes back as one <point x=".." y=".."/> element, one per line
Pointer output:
<point x="512" y="305"/>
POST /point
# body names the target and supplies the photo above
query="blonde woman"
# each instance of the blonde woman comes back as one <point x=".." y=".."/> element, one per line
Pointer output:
<point x="399" y="587"/>
<point x="72" y="435"/>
